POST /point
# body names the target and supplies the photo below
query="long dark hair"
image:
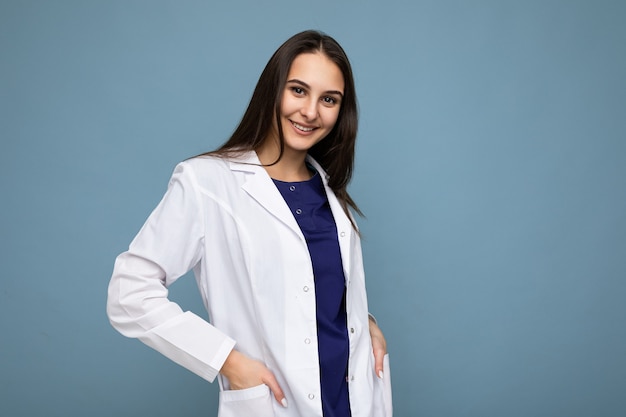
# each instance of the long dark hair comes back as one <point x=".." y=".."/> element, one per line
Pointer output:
<point x="335" y="153"/>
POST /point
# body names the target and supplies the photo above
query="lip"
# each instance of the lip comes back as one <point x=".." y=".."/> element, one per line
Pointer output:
<point x="299" y="126"/>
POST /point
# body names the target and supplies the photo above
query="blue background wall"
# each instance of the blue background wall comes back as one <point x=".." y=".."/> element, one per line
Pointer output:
<point x="491" y="165"/>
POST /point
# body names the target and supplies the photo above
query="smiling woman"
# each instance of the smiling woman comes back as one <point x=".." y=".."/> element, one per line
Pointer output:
<point x="308" y="112"/>
<point x="264" y="223"/>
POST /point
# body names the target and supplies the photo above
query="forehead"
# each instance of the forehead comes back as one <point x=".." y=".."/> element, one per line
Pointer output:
<point x="318" y="71"/>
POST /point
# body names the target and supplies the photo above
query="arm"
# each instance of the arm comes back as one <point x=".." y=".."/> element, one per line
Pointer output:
<point x="168" y="245"/>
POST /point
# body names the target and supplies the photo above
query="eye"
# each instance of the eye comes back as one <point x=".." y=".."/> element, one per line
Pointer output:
<point x="329" y="100"/>
<point x="297" y="90"/>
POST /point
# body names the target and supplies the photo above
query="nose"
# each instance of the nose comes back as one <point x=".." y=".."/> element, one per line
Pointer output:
<point x="309" y="109"/>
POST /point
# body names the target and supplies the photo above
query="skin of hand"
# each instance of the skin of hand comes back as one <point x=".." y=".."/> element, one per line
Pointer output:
<point x="243" y="372"/>
<point x="379" y="346"/>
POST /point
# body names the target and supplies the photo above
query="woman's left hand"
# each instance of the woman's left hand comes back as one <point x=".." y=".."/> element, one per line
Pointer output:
<point x="379" y="346"/>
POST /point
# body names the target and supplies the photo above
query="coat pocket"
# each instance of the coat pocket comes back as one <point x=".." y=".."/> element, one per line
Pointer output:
<point x="382" y="396"/>
<point x="249" y="402"/>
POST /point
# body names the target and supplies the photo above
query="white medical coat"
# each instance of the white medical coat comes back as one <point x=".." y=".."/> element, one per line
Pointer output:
<point x="226" y="220"/>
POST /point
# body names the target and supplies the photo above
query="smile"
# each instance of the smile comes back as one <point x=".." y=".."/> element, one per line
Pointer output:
<point x="302" y="128"/>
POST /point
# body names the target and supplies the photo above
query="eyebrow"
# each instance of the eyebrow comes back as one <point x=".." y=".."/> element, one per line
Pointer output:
<point x="305" y="85"/>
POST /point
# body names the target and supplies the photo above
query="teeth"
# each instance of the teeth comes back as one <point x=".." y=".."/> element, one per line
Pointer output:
<point x="302" y="128"/>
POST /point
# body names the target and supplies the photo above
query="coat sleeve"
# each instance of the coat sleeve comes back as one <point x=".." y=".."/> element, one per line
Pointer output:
<point x="168" y="245"/>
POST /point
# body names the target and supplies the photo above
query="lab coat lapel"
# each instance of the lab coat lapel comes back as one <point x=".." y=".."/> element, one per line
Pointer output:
<point x="344" y="226"/>
<point x="261" y="188"/>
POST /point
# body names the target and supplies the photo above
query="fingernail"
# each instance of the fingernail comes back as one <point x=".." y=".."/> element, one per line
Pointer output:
<point x="284" y="402"/>
<point x="380" y="374"/>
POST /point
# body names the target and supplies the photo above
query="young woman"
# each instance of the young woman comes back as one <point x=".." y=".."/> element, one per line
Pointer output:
<point x="264" y="223"/>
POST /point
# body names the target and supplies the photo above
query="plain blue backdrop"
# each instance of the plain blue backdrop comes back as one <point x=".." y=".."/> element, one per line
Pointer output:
<point x="491" y="165"/>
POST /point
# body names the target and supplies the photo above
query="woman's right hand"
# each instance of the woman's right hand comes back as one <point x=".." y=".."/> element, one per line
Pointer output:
<point x="243" y="372"/>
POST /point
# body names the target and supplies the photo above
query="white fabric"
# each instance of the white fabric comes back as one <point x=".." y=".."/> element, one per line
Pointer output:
<point x="226" y="220"/>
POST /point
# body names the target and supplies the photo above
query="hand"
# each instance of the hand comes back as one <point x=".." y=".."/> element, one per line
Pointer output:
<point x="379" y="346"/>
<point x="243" y="372"/>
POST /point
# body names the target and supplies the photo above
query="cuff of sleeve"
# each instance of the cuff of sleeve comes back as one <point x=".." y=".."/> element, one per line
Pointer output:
<point x="192" y="343"/>
<point x="372" y="318"/>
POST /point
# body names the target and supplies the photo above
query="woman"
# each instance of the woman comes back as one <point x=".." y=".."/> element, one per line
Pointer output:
<point x="264" y="222"/>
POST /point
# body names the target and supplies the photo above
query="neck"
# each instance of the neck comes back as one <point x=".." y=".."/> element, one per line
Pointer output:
<point x="291" y="166"/>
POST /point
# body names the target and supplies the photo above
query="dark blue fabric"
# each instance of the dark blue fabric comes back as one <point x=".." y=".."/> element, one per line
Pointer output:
<point x="309" y="204"/>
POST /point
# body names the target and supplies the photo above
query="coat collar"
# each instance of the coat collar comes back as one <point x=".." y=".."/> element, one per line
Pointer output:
<point x="260" y="187"/>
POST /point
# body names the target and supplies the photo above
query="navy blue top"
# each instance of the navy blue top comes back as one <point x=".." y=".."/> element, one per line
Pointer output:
<point x="309" y="204"/>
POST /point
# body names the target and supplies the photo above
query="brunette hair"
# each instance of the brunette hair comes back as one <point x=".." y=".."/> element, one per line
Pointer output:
<point x="335" y="153"/>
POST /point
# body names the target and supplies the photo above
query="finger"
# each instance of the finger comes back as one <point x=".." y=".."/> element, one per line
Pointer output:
<point x="273" y="385"/>
<point x="379" y="356"/>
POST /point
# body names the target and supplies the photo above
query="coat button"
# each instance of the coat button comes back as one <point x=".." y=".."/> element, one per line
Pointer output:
<point x="351" y="329"/>
<point x="342" y="234"/>
<point x="307" y="341"/>
<point x="298" y="211"/>
<point x="292" y="188"/>
<point x="311" y="396"/>
<point x="305" y="289"/>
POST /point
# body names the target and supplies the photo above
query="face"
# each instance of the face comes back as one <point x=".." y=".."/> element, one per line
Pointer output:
<point x="311" y="101"/>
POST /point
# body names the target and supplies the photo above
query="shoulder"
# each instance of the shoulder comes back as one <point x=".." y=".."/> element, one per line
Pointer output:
<point x="214" y="162"/>
<point x="202" y="163"/>
<point x="193" y="173"/>
<point x="211" y="172"/>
